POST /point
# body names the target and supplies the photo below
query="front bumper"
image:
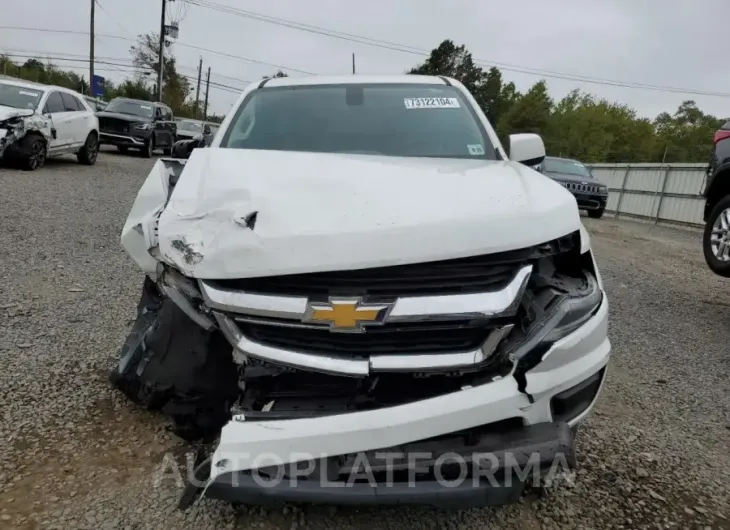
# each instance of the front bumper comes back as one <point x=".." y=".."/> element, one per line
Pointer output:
<point x="139" y="139"/>
<point x="565" y="369"/>
<point x="588" y="201"/>
<point x="445" y="473"/>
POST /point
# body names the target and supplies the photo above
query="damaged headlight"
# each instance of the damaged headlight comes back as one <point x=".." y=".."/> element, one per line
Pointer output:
<point x="566" y="314"/>
<point x="185" y="294"/>
<point x="573" y="312"/>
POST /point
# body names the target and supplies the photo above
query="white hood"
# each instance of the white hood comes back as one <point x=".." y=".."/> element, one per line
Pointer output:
<point x="9" y="112"/>
<point x="318" y="212"/>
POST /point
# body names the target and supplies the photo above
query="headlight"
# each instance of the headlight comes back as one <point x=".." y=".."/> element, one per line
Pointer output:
<point x="573" y="312"/>
<point x="603" y="190"/>
<point x="141" y="126"/>
<point x="567" y="315"/>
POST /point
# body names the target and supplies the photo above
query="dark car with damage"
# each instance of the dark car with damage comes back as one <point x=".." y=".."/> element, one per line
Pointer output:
<point x="137" y="124"/>
<point x="590" y="194"/>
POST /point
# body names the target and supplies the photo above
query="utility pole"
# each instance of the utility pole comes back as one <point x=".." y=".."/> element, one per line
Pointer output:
<point x="161" y="57"/>
<point x="91" y="49"/>
<point x="353" y="64"/>
<point x="207" y="88"/>
<point x="197" y="90"/>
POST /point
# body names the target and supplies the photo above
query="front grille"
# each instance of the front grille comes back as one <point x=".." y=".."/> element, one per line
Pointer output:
<point x="113" y="125"/>
<point x="447" y="337"/>
<point x="582" y="188"/>
<point x="456" y="276"/>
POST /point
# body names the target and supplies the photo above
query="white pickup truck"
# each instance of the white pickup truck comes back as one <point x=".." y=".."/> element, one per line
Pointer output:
<point x="357" y="296"/>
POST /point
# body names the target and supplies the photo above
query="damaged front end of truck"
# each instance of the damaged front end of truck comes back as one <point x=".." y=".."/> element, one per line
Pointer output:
<point x="302" y="374"/>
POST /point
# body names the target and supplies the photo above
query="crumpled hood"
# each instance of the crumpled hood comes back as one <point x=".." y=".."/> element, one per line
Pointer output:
<point x="246" y="213"/>
<point x="11" y="112"/>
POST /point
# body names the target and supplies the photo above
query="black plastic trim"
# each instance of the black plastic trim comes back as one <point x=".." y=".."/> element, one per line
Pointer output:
<point x="445" y="80"/>
<point x="546" y="439"/>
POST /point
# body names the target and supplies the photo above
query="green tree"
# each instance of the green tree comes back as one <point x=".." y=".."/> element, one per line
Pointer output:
<point x="453" y="61"/>
<point x="530" y="113"/>
<point x="175" y="87"/>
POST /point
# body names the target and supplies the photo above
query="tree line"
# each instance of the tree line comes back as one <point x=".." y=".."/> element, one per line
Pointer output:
<point x="579" y="125"/>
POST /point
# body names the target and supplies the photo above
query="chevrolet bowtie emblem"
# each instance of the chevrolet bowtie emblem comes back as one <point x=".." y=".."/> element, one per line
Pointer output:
<point x="347" y="315"/>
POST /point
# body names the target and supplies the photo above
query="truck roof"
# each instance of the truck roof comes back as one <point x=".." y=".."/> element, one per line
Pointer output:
<point x="404" y="79"/>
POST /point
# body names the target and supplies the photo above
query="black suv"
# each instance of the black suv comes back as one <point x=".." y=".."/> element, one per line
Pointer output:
<point x="716" y="239"/>
<point x="590" y="194"/>
<point x="137" y="124"/>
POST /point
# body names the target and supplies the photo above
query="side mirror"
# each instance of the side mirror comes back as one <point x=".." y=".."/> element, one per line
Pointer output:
<point x="526" y="148"/>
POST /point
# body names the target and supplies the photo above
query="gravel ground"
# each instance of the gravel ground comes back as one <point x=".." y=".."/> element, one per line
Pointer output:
<point x="76" y="455"/>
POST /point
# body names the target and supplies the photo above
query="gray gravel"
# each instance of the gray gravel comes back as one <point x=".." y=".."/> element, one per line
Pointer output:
<point x="75" y="455"/>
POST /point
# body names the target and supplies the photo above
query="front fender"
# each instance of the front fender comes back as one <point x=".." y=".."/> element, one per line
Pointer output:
<point x="139" y="235"/>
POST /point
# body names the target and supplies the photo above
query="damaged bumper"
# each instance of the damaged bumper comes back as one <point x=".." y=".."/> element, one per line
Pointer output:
<point x="450" y="472"/>
<point x="563" y="390"/>
<point x="304" y="374"/>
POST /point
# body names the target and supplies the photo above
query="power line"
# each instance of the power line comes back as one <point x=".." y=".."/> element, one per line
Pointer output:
<point x="177" y="43"/>
<point x="34" y="54"/>
<point x="424" y="52"/>
<point x="112" y="18"/>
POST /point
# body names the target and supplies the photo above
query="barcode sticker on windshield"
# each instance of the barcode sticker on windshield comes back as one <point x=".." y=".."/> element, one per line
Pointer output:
<point x="26" y="93"/>
<point x="431" y="103"/>
<point x="475" y="149"/>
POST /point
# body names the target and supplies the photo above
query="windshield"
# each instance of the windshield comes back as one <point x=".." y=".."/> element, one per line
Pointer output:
<point x="572" y="167"/>
<point x="135" y="108"/>
<point x="188" y="125"/>
<point x="19" y="97"/>
<point x="411" y="120"/>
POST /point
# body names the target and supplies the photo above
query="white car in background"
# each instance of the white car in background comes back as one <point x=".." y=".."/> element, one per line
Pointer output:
<point x="38" y="121"/>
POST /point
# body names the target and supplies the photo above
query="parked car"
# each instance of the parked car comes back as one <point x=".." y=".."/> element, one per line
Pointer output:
<point x="716" y="237"/>
<point x="590" y="194"/>
<point x="187" y="129"/>
<point x="96" y="104"/>
<point x="355" y="264"/>
<point x="39" y="121"/>
<point x="137" y="124"/>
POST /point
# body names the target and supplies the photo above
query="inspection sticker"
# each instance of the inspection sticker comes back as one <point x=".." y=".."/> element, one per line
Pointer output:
<point x="431" y="103"/>
<point x="145" y="107"/>
<point x="26" y="93"/>
<point x="476" y="149"/>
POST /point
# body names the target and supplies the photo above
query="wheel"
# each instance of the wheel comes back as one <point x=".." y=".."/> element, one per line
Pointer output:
<point x="149" y="149"/>
<point x="90" y="151"/>
<point x="716" y="238"/>
<point x="595" y="214"/>
<point x="122" y="148"/>
<point x="34" y="151"/>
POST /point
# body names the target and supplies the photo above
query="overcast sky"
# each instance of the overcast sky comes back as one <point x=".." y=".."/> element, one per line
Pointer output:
<point x="673" y="43"/>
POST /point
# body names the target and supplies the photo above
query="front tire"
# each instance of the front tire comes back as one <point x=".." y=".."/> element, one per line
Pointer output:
<point x="716" y="238"/>
<point x="149" y="149"/>
<point x="90" y="151"/>
<point x="596" y="214"/>
<point x="35" y="150"/>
